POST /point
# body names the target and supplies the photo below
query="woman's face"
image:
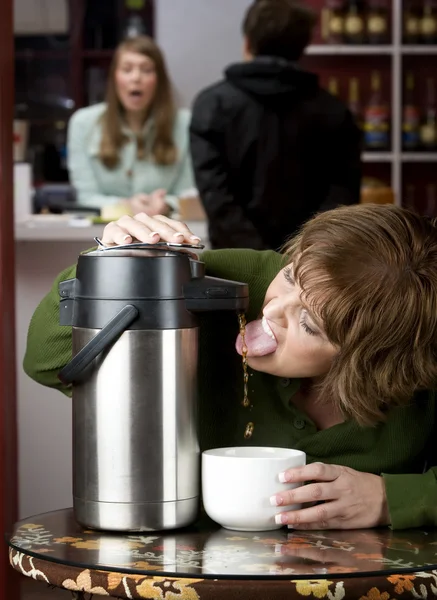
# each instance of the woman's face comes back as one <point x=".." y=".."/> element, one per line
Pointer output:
<point x="135" y="81"/>
<point x="301" y="348"/>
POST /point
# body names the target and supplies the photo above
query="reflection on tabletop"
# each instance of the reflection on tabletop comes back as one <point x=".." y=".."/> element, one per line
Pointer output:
<point x="207" y="550"/>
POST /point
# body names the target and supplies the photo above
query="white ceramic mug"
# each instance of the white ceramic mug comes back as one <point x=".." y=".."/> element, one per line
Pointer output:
<point x="237" y="484"/>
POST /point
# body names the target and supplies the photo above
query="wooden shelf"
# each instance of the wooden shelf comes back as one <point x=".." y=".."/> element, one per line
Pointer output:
<point x="372" y="157"/>
<point x="405" y="157"/>
<point x="423" y="49"/>
<point x="349" y="50"/>
<point x="415" y="157"/>
<point x="344" y="50"/>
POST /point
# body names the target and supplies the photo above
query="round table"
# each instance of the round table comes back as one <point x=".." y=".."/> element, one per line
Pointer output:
<point x="208" y="562"/>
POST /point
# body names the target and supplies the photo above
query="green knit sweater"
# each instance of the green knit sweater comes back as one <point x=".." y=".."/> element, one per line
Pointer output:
<point x="399" y="449"/>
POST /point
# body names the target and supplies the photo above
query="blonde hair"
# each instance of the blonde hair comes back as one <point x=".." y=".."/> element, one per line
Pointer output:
<point x="369" y="273"/>
<point x="163" y="148"/>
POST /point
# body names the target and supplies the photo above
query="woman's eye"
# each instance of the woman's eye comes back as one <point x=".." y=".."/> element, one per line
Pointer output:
<point x="288" y="275"/>
<point x="307" y="329"/>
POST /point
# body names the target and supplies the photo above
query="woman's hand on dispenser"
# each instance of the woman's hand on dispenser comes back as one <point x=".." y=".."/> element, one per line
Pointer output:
<point x="148" y="229"/>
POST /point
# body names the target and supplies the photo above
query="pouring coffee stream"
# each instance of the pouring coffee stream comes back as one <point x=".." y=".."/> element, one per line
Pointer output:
<point x="246" y="401"/>
<point x="134" y="313"/>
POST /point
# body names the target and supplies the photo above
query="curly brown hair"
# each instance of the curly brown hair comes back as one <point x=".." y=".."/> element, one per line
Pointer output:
<point x="370" y="274"/>
<point x="163" y="148"/>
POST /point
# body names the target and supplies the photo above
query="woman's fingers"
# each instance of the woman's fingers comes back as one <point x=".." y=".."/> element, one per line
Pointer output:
<point x="125" y="230"/>
<point x="179" y="228"/>
<point x="145" y="228"/>
<point x="312" y="492"/>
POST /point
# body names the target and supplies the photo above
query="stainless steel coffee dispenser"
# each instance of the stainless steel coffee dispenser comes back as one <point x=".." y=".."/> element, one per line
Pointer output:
<point x="135" y="343"/>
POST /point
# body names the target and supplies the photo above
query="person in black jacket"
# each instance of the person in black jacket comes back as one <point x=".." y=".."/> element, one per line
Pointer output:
<point x="269" y="146"/>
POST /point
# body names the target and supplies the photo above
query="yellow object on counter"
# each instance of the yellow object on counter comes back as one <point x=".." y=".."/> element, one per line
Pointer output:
<point x="112" y="212"/>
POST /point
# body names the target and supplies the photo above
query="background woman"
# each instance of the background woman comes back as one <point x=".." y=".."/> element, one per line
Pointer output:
<point x="131" y="153"/>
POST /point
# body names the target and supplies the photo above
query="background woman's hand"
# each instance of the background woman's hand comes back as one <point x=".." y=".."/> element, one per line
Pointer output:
<point x="145" y="228"/>
<point x="152" y="204"/>
<point x="346" y="499"/>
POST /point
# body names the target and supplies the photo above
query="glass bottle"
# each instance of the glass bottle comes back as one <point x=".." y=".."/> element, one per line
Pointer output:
<point x="428" y="128"/>
<point x="354" y="101"/>
<point x="333" y="86"/>
<point x="410" y="117"/>
<point x="137" y="18"/>
<point x="377" y="22"/>
<point x="411" y="23"/>
<point x="354" y="25"/>
<point x="335" y="21"/>
<point x="428" y="23"/>
<point x="376" y="118"/>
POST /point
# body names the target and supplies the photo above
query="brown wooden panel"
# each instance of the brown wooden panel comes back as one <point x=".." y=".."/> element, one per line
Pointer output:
<point x="8" y="430"/>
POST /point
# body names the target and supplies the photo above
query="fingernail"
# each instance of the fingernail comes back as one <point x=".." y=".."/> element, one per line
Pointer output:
<point x="282" y="477"/>
<point x="178" y="235"/>
<point x="195" y="238"/>
<point x="275" y="500"/>
<point x="280" y="519"/>
<point x="154" y="233"/>
<point x="127" y="237"/>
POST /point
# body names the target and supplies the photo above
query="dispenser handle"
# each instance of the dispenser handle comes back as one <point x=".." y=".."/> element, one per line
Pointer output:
<point x="100" y="342"/>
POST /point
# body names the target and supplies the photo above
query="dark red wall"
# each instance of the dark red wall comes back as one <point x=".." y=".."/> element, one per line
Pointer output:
<point x="8" y="429"/>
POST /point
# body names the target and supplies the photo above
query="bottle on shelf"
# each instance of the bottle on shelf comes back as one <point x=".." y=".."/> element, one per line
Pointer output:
<point x="136" y="19"/>
<point x="431" y="200"/>
<point x="377" y="22"/>
<point x="376" y="118"/>
<point x="333" y="86"/>
<point x="428" y="128"/>
<point x="333" y="27"/>
<point x="354" y="23"/>
<point x="410" y="117"/>
<point x="354" y="101"/>
<point x="411" y="22"/>
<point x="428" y="22"/>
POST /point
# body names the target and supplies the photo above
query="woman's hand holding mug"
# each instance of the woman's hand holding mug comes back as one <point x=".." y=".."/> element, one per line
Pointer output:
<point x="342" y="498"/>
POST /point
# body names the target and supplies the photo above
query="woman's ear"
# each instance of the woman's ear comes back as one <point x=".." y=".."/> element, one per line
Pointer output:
<point x="247" y="52"/>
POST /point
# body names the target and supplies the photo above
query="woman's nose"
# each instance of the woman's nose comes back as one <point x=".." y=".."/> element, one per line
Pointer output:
<point x="274" y="309"/>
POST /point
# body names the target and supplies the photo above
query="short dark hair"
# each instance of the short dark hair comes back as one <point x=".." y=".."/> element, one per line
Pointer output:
<point x="278" y="28"/>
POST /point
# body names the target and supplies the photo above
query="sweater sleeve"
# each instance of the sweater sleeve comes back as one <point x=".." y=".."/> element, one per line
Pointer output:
<point x="254" y="267"/>
<point x="412" y="499"/>
<point x="80" y="169"/>
<point x="49" y="345"/>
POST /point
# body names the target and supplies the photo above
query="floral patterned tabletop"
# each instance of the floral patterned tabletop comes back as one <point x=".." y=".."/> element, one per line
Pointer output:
<point x="208" y="553"/>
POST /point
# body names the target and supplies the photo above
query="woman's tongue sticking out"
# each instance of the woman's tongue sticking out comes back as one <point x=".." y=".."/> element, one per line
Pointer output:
<point x="259" y="339"/>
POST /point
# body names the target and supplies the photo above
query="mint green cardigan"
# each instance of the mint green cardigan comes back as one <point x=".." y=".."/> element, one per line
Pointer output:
<point x="401" y="449"/>
<point x="99" y="186"/>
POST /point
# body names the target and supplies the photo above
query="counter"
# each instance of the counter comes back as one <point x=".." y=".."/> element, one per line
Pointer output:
<point x="63" y="232"/>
